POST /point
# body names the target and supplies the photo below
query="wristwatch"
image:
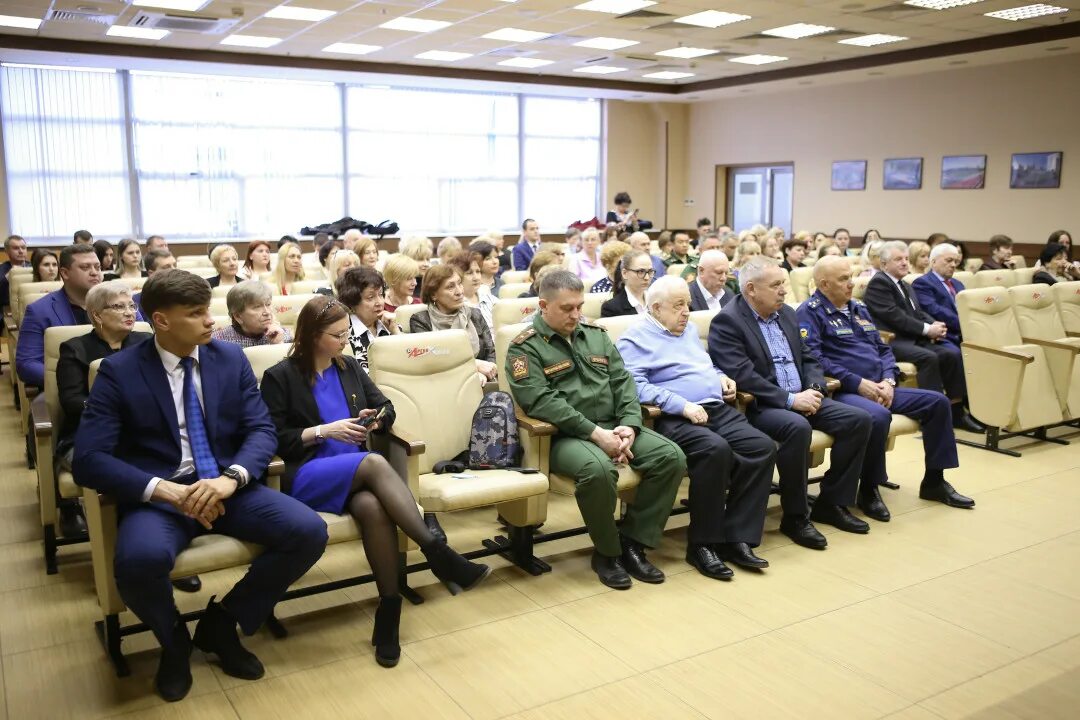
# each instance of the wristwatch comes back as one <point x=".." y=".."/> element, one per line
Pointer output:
<point x="234" y="474"/>
<point x="318" y="433"/>
<point x="891" y="381"/>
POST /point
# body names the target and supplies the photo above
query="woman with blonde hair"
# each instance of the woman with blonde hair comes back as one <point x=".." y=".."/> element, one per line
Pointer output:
<point x="227" y="262"/>
<point x="400" y="274"/>
<point x="290" y="268"/>
<point x="919" y="257"/>
<point x="368" y="251"/>
<point x="871" y="257"/>
<point x="746" y="250"/>
<point x="449" y="246"/>
<point x="340" y="263"/>
<point x="420" y="249"/>
<point x="610" y="255"/>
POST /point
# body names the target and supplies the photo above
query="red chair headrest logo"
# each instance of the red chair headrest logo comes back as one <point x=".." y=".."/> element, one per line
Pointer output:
<point x="989" y="299"/>
<point x="416" y="352"/>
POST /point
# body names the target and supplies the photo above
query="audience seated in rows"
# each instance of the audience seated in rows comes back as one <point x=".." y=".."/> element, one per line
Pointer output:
<point x="444" y="295"/>
<point x="611" y="254"/>
<point x="227" y="263"/>
<point x="632" y="278"/>
<point x="251" y="312"/>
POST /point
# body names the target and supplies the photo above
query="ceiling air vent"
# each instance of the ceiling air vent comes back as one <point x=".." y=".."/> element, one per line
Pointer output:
<point x="643" y="14"/>
<point x="184" y="23"/>
<point x="80" y="16"/>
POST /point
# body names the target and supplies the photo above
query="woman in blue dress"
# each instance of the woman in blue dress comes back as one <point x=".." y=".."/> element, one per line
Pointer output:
<point x="317" y="398"/>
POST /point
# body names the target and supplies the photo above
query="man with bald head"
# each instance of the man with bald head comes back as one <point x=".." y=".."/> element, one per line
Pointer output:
<point x="709" y="290"/>
<point x="640" y="241"/>
<point x="839" y="332"/>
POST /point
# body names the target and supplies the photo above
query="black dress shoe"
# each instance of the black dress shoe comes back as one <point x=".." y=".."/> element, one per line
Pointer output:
<point x="72" y="521"/>
<point x="942" y="492"/>
<point x="890" y="485"/>
<point x="743" y="556"/>
<point x="838" y="516"/>
<point x="704" y="558"/>
<point x="970" y="424"/>
<point x="216" y="634"/>
<point x="385" y="634"/>
<point x="873" y="506"/>
<point x="639" y="567"/>
<point x="173" y="679"/>
<point x="611" y="572"/>
<point x="433" y="525"/>
<point x="189" y="584"/>
<point x="803" y="532"/>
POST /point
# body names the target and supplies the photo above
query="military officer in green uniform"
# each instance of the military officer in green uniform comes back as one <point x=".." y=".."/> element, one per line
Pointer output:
<point x="566" y="371"/>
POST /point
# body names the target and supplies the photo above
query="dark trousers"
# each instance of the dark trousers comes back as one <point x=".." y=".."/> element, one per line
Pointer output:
<point x="930" y="408"/>
<point x="730" y="465"/>
<point x="151" y="536"/>
<point x="850" y="429"/>
<point x="940" y="365"/>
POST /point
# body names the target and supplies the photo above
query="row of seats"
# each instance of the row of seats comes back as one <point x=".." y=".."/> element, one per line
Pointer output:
<point x="802" y="281"/>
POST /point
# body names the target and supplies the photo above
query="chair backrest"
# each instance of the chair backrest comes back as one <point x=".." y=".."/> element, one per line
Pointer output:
<point x="508" y="312"/>
<point x="676" y="269"/>
<point x="27" y="289"/>
<point x="702" y="319"/>
<point x="800" y="278"/>
<point x="94" y="367"/>
<point x="616" y="326"/>
<point x="911" y="278"/>
<point x="308" y="286"/>
<point x="994" y="278"/>
<point x="1036" y="312"/>
<point x="593" y="301"/>
<point x="188" y="262"/>
<point x="512" y="290"/>
<point x="221" y="291"/>
<point x="404" y="312"/>
<point x="134" y="283"/>
<point x="431" y="379"/>
<point x="17" y="280"/>
<point x="789" y="297"/>
<point x="1067" y="297"/>
<point x="202" y="271"/>
<point x="503" y="335"/>
<point x="287" y="307"/>
<point x="263" y="357"/>
<point x="221" y="321"/>
<point x="1019" y="262"/>
<point x="218" y="306"/>
<point x="986" y="317"/>
<point x="967" y="278"/>
<point x="1024" y="275"/>
<point x="859" y="290"/>
<point x="515" y="276"/>
<point x="973" y="265"/>
<point x="26" y="301"/>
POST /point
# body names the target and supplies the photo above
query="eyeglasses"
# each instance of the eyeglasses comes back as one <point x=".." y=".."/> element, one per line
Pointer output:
<point x="338" y="336"/>
<point x="123" y="308"/>
<point x="643" y="273"/>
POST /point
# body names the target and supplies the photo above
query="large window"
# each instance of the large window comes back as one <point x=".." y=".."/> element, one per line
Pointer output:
<point x="193" y="156"/>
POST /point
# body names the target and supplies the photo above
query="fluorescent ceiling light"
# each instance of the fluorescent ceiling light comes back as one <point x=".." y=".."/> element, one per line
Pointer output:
<point x="599" y="69"/>
<point x="758" y="59"/>
<point x="188" y="5"/>
<point x="412" y="24"/>
<point x="606" y="43"/>
<point x="871" y="40"/>
<point x="442" y="56"/>
<point x="940" y="4"/>
<point x="291" y="12"/>
<point x="669" y="75"/>
<point x="686" y="52"/>
<point x="351" y="48"/>
<point x="255" y="41"/>
<point x="711" y="19"/>
<point x="797" y="31"/>
<point x="515" y="35"/>
<point x="615" y="7"/>
<point x="136" y="32"/>
<point x="20" y="22"/>
<point x="526" y="62"/>
<point x="1027" y="12"/>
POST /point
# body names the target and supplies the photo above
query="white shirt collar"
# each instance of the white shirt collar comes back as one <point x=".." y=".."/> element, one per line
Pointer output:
<point x="634" y="302"/>
<point x="360" y="329"/>
<point x="705" y="290"/>
<point x="171" y="361"/>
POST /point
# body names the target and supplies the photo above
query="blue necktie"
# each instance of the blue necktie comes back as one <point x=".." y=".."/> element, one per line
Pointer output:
<point x="205" y="464"/>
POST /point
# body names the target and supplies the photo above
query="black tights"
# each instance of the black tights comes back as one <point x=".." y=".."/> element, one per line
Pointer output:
<point x="381" y="502"/>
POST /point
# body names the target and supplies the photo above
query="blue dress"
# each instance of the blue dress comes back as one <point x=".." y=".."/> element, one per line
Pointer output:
<point x="323" y="482"/>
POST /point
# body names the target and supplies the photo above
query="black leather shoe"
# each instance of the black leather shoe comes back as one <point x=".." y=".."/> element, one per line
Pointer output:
<point x="72" y="521"/>
<point x="433" y="525"/>
<point x="969" y="424"/>
<point x="873" y="506"/>
<point x="611" y="572"/>
<point x="838" y="516"/>
<point x="216" y="634"/>
<point x="385" y="635"/>
<point x="704" y="558"/>
<point x="189" y="584"/>
<point x="890" y="485"/>
<point x="742" y="555"/>
<point x="803" y="532"/>
<point x="173" y="679"/>
<point x="639" y="567"/>
<point x="943" y="492"/>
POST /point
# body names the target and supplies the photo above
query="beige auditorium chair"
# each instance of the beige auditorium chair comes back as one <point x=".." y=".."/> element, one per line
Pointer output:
<point x="221" y="291"/>
<point x="431" y="380"/>
<point x="287" y="307"/>
<point x="188" y="262"/>
<point x="405" y="312"/>
<point x="859" y="290"/>
<point x="973" y="265"/>
<point x="203" y="272"/>
<point x="308" y="286"/>
<point x="676" y="269"/>
<point x="1067" y="297"/>
<point x="28" y="290"/>
<point x="966" y="278"/>
<point x="511" y="312"/>
<point x="1009" y="382"/>
<point x="1024" y="275"/>
<point x="135" y="283"/>
<point x="800" y="279"/>
<point x="1040" y="324"/>
<point x="28" y="294"/>
<point x="515" y="276"/>
<point x="993" y="278"/>
<point x="512" y="290"/>
<point x="593" y="301"/>
<point x="1019" y="262"/>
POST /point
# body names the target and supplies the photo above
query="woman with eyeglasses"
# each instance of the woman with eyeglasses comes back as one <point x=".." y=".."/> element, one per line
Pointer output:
<point x="112" y="314"/>
<point x="324" y="406"/>
<point x="632" y="279"/>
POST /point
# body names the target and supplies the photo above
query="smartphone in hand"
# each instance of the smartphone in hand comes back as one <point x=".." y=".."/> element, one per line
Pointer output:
<point x="373" y="418"/>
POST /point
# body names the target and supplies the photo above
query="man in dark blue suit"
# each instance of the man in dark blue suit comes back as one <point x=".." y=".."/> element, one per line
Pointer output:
<point x="177" y="432"/>
<point x="755" y="341"/>
<point x="936" y="290"/>
<point x="15" y="247"/>
<point x="842" y="336"/>
<point x="523" y="252"/>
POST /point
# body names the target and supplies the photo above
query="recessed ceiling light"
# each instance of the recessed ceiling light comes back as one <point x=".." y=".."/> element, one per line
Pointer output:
<point x="255" y="41"/>
<point x="871" y="40"/>
<point x="669" y="75"/>
<point x="797" y="31"/>
<point x="1027" y="12"/>
<point x="442" y="56"/>
<point x="599" y="69"/>
<point x="758" y="59"/>
<point x="526" y="62"/>
<point x="188" y="5"/>
<point x="515" y="35"/>
<point x="412" y="24"/>
<point x="20" y="22"/>
<point x="687" y="52"/>
<point x="615" y="7"/>
<point x="291" y="12"/>
<point x="351" y="48"/>
<point x="136" y="32"/>
<point x="711" y="19"/>
<point x="940" y="4"/>
<point x="606" y="43"/>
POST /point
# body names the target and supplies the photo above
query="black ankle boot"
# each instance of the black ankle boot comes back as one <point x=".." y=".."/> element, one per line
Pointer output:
<point x="455" y="571"/>
<point x="432" y="522"/>
<point x="385" y="635"/>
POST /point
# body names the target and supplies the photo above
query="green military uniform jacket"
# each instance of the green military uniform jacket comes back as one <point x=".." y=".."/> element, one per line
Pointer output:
<point x="573" y="384"/>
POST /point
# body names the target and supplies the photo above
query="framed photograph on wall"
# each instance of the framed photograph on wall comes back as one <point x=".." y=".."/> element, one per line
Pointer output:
<point x="963" y="172"/>
<point x="903" y="174"/>
<point x="849" y="175"/>
<point x="1035" y="170"/>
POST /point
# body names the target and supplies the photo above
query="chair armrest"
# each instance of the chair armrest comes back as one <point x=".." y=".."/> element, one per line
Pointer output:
<point x="832" y="385"/>
<point x="407" y="442"/>
<point x="532" y="425"/>
<point x="651" y="412"/>
<point x="1025" y="359"/>
<point x="1070" y="333"/>
<point x="101" y="521"/>
<point x="39" y="417"/>
<point x="1050" y="344"/>
<point x="9" y="323"/>
<point x="886" y="336"/>
<point x="743" y="398"/>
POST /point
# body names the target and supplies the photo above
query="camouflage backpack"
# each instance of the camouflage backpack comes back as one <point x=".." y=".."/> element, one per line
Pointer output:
<point x="493" y="442"/>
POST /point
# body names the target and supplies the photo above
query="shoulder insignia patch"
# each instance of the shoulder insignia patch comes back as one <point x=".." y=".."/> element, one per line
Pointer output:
<point x="803" y="333"/>
<point x="590" y="323"/>
<point x="519" y="367"/>
<point x="523" y="336"/>
<point x="858" y="302"/>
<point x="599" y="359"/>
<point x="552" y="369"/>
<point x="813" y="302"/>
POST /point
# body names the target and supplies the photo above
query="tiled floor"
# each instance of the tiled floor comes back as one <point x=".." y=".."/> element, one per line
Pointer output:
<point x="940" y="613"/>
